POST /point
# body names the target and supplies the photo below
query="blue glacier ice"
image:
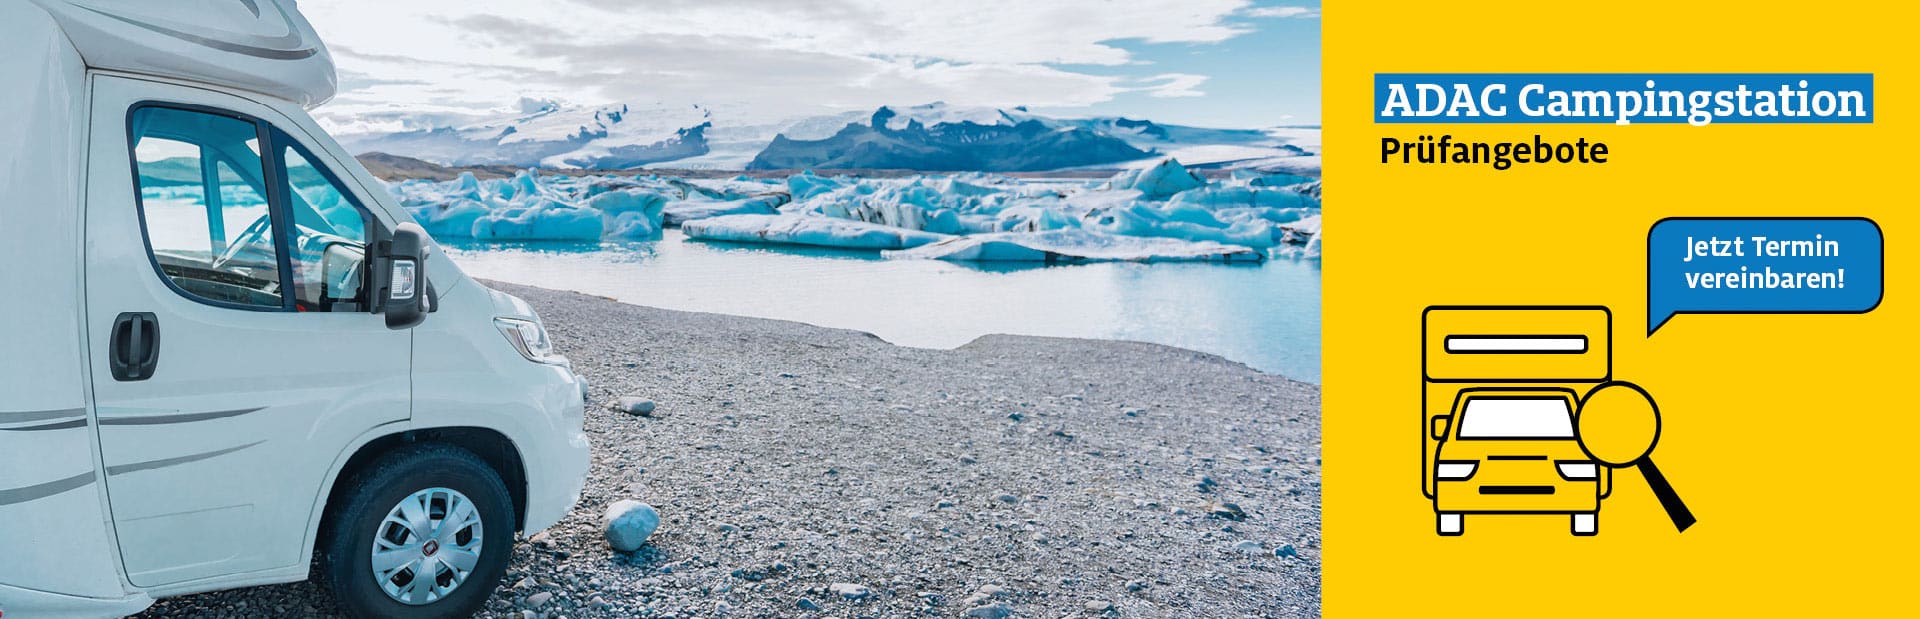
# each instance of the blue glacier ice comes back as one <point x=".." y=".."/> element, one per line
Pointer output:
<point x="1075" y="246"/>
<point x="806" y="230"/>
<point x="1162" y="211"/>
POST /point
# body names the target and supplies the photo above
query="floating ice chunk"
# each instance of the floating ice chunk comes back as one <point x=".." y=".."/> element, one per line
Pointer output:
<point x="1189" y="223"/>
<point x="1160" y="181"/>
<point x="466" y="186"/>
<point x="806" y="185"/>
<point x="450" y="219"/>
<point x="1218" y="196"/>
<point x="681" y="211"/>
<point x="631" y="213"/>
<point x="544" y="220"/>
<point x="631" y="225"/>
<point x="1033" y="217"/>
<point x="1310" y="225"/>
<point x="1076" y="246"/>
<point x="1307" y="251"/>
<point x="1256" y="178"/>
<point x="523" y="185"/>
<point x="806" y="230"/>
<point x="914" y="204"/>
<point x="1302" y="240"/>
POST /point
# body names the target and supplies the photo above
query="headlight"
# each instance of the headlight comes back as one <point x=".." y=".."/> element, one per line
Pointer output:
<point x="528" y="337"/>
<point x="1456" y="469"/>
<point x="1577" y="469"/>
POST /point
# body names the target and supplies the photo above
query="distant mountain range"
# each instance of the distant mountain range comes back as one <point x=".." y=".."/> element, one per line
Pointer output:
<point x="932" y="137"/>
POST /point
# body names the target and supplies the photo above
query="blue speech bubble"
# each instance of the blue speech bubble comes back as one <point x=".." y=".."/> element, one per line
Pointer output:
<point x="1704" y="265"/>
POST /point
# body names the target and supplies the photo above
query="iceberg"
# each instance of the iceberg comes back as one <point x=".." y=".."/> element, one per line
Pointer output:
<point x="450" y="219"/>
<point x="1302" y="240"/>
<point x="1072" y="246"/>
<point x="545" y="220"/>
<point x="629" y="213"/>
<point x="1158" y="182"/>
<point x="1218" y="197"/>
<point x="1181" y="222"/>
<point x="817" y="231"/>
<point x="806" y="185"/>
<point x="681" y="211"/>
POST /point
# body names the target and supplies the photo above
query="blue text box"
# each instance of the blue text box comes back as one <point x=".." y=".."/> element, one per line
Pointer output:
<point x="1763" y="266"/>
<point x="1706" y="98"/>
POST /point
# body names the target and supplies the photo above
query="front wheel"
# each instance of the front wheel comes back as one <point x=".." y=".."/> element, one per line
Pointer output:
<point x="1451" y="524"/>
<point x="423" y="532"/>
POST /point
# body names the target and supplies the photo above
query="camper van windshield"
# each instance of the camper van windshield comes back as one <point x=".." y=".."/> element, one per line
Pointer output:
<point x="1516" y="417"/>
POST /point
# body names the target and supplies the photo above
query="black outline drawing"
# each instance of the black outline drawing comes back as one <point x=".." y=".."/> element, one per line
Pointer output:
<point x="1670" y="500"/>
<point x="1676" y="510"/>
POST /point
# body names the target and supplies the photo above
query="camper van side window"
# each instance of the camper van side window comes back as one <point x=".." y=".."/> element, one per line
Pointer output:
<point x="329" y="233"/>
<point x="202" y="201"/>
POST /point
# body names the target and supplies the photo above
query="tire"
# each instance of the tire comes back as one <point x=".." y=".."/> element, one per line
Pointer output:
<point x="435" y="480"/>
<point x="1586" y="524"/>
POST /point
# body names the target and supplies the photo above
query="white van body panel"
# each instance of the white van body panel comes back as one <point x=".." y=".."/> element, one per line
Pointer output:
<point x="52" y="514"/>
<point x="265" y="46"/>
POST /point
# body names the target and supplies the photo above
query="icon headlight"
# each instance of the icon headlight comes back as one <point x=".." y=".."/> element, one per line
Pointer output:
<point x="1455" y="469"/>
<point x="1576" y="470"/>
<point x="528" y="337"/>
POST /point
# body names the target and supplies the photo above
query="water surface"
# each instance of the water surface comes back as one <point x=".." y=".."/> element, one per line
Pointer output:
<point x="1267" y="316"/>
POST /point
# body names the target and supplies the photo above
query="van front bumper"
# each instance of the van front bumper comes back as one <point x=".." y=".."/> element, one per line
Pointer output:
<point x="1516" y="497"/>
<point x="548" y="503"/>
<point x="555" y="481"/>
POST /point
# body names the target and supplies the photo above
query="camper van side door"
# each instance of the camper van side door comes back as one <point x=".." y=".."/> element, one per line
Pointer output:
<point x="197" y="216"/>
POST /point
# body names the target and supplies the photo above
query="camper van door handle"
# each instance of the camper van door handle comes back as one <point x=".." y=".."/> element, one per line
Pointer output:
<point x="134" y="351"/>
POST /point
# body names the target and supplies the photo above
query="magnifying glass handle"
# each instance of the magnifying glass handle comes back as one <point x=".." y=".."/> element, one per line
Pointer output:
<point x="1676" y="510"/>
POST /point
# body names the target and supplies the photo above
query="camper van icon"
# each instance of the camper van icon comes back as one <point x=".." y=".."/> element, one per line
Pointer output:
<point x="1522" y="416"/>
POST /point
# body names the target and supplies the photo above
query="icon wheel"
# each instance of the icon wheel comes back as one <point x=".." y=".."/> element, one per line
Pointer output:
<point x="1586" y="524"/>
<point x="1451" y="524"/>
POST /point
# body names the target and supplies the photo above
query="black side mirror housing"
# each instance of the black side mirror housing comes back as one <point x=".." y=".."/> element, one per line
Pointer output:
<point x="1441" y="424"/>
<point x="402" y="271"/>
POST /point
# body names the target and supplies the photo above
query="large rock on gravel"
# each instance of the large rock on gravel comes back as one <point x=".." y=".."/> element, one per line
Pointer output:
<point x="990" y="611"/>
<point x="636" y="406"/>
<point x="628" y="524"/>
<point x="849" y="590"/>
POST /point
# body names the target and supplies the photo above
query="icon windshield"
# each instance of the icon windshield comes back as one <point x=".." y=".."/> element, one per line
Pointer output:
<point x="1509" y="417"/>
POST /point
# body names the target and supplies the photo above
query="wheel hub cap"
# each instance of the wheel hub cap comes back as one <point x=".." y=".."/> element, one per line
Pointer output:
<point x="427" y="546"/>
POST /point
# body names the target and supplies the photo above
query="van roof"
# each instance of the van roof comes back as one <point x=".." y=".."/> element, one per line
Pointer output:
<point x="265" y="46"/>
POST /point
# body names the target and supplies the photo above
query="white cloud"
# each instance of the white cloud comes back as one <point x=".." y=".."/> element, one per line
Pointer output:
<point x="779" y="57"/>
<point x="1174" y="85"/>
<point x="1294" y="12"/>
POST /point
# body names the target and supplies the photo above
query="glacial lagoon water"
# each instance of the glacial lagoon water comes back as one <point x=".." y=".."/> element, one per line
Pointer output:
<point x="1266" y="316"/>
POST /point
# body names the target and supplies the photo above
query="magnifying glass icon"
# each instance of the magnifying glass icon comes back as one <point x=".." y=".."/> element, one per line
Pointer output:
<point x="1617" y="425"/>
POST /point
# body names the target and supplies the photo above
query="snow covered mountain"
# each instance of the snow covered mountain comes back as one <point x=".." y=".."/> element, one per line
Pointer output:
<point x="945" y="140"/>
<point x="934" y="137"/>
<point x="546" y="134"/>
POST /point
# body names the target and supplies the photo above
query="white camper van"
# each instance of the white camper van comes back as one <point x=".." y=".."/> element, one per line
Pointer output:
<point x="227" y="351"/>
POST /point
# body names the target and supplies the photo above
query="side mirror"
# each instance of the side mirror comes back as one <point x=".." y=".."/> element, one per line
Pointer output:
<point x="403" y="274"/>
<point x="1441" y="424"/>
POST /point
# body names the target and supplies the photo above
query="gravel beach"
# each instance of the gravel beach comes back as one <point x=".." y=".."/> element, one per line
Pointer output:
<point x="802" y="471"/>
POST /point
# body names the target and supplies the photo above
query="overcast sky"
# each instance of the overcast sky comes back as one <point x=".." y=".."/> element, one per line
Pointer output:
<point x="1224" y="63"/>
